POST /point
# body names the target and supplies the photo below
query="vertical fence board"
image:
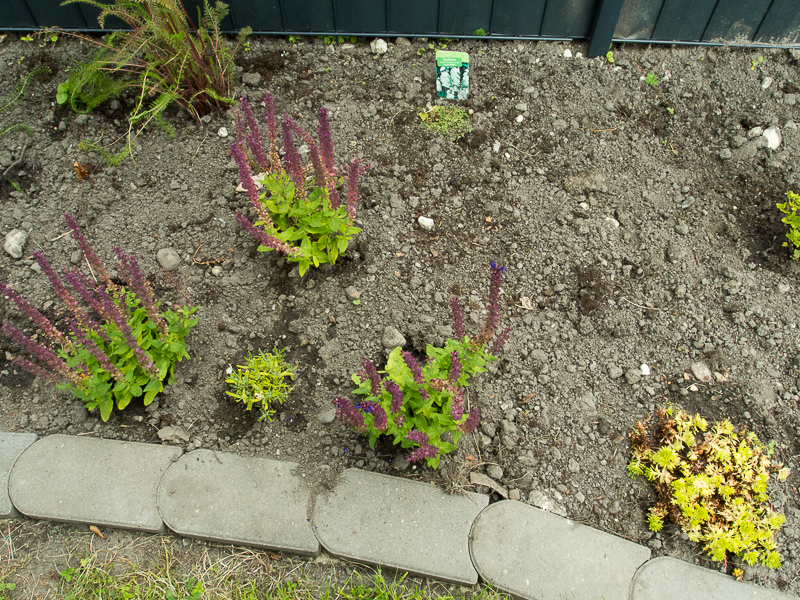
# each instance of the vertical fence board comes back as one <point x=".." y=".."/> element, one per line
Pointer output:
<point x="736" y="20"/>
<point x="310" y="15"/>
<point x="16" y="14"/>
<point x="413" y="16"/>
<point x="264" y="15"/>
<point x="463" y="17"/>
<point x="568" y="18"/>
<point x="637" y="19"/>
<point x="361" y="16"/>
<point x="47" y="13"/>
<point x="781" y="25"/>
<point x="683" y="20"/>
<point x="512" y="17"/>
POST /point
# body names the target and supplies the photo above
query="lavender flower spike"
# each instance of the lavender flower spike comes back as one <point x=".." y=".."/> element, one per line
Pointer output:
<point x="426" y="450"/>
<point x="254" y="139"/>
<point x="272" y="133"/>
<point x="352" y="189"/>
<point x="379" y="420"/>
<point x="35" y="316"/>
<point x="61" y="290"/>
<point x="326" y="141"/>
<point x="472" y="421"/>
<point x="372" y="375"/>
<point x="265" y="239"/>
<point x="500" y="341"/>
<point x="397" y="396"/>
<point x="43" y="354"/>
<point x="349" y="413"/>
<point x="94" y="261"/>
<point x="413" y="366"/>
<point x="493" y="309"/>
<point x="36" y="370"/>
<point x="455" y="368"/>
<point x="458" y="319"/>
<point x="101" y="357"/>
<point x="292" y="158"/>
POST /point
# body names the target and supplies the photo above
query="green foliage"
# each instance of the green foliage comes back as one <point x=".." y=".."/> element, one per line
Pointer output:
<point x="324" y="232"/>
<point x="165" y="59"/>
<point x="293" y="39"/>
<point x="6" y="587"/>
<point x="791" y="208"/>
<point x="756" y="62"/>
<point x="262" y="379"/>
<point x="712" y="481"/>
<point x="479" y="32"/>
<point x="337" y="39"/>
<point x="451" y="122"/>
<point x="651" y="79"/>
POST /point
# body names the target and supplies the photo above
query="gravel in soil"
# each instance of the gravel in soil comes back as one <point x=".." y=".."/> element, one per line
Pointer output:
<point x="637" y="223"/>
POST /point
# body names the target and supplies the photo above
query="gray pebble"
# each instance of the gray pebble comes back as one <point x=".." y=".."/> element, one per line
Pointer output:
<point x="168" y="258"/>
<point x="615" y="372"/>
<point x="15" y="242"/>
<point x="392" y="338"/>
<point x="494" y="471"/>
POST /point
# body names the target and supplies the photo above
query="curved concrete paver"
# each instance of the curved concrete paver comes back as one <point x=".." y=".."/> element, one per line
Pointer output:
<point x="666" y="578"/>
<point x="399" y="523"/>
<point x="228" y="498"/>
<point x="11" y="446"/>
<point x="87" y="480"/>
<point x="535" y="554"/>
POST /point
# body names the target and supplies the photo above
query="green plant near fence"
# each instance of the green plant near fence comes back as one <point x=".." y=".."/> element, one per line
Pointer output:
<point x="164" y="59"/>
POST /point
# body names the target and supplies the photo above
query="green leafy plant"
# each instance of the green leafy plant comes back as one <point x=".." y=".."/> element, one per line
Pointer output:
<point x="712" y="481"/>
<point x="263" y="379"/>
<point x="6" y="587"/>
<point x="756" y="62"/>
<point x="308" y="223"/>
<point x="293" y="39"/>
<point x="27" y="38"/>
<point x="424" y="406"/>
<point x="791" y="208"/>
<point x="481" y="32"/>
<point x="124" y="347"/>
<point x="165" y="59"/>
<point x="339" y="39"/>
<point x="610" y="53"/>
<point x="451" y="122"/>
<point x="670" y="110"/>
<point x="651" y="79"/>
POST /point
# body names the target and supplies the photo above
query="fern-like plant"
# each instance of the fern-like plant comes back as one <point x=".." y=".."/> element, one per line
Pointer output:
<point x="166" y="58"/>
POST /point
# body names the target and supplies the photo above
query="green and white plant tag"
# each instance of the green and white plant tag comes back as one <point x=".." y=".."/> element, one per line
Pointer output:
<point x="452" y="75"/>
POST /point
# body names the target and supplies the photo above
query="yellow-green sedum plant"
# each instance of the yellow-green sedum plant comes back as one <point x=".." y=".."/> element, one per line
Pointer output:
<point x="712" y="481"/>
<point x="263" y="379"/>
<point x="791" y="208"/>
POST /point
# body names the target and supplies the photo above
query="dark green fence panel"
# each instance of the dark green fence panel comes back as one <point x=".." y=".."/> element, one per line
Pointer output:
<point x="512" y="17"/>
<point x="16" y="14"/>
<point x="781" y="25"/>
<point x="568" y="18"/>
<point x="637" y="19"/>
<point x="311" y="15"/>
<point x="413" y="16"/>
<point x="736" y="20"/>
<point x="50" y="12"/>
<point x="361" y="16"/>
<point x="264" y="15"/>
<point x="464" y="17"/>
<point x="683" y="20"/>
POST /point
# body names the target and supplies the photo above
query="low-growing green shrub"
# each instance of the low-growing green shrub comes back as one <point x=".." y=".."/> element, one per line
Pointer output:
<point x="123" y="347"/>
<point x="791" y="208"/>
<point x="712" y="482"/>
<point x="417" y="405"/>
<point x="261" y="380"/>
<point x="451" y="122"/>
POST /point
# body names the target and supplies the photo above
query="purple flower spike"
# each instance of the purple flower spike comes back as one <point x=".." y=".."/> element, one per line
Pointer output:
<point x="265" y="239"/>
<point x="426" y="450"/>
<point x="471" y="424"/>
<point x="254" y="137"/>
<point x="352" y="189"/>
<point x="325" y="141"/>
<point x="493" y="310"/>
<point x="397" y="396"/>
<point x="35" y="316"/>
<point x="141" y="288"/>
<point x="458" y="319"/>
<point x="244" y="172"/>
<point x="457" y="411"/>
<point x="413" y="366"/>
<point x="374" y="379"/>
<point x="455" y="368"/>
<point x="43" y="354"/>
<point x="292" y="158"/>
<point x="379" y="420"/>
<point x="36" y="370"/>
<point x="60" y="289"/>
<point x="500" y="341"/>
<point x="101" y="357"/>
<point x="349" y="413"/>
<point x="94" y="261"/>
<point x="418" y="437"/>
<point x="272" y="133"/>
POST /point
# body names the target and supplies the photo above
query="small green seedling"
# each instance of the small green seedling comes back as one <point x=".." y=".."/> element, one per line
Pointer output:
<point x="651" y="79"/>
<point x="712" y="481"/>
<point x="481" y="32"/>
<point x="262" y="379"/>
<point x="756" y="62"/>
<point x="357" y="301"/>
<point x="791" y="208"/>
<point x="610" y="54"/>
<point x="246" y="46"/>
<point x="670" y="110"/>
<point x="62" y="95"/>
<point x="293" y="39"/>
<point x="6" y="587"/>
<point x="448" y="121"/>
<point x="27" y="38"/>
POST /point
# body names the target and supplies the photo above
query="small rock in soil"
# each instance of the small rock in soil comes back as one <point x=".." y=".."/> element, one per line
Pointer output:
<point x="701" y="371"/>
<point x="15" y="242"/>
<point x="426" y="223"/>
<point x="392" y="338"/>
<point x="168" y="258"/>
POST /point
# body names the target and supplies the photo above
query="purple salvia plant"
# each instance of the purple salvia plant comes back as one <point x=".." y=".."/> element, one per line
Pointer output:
<point x="372" y="375"/>
<point x="500" y="341"/>
<point x="397" y="396"/>
<point x="326" y="142"/>
<point x="94" y="261"/>
<point x="457" y="411"/>
<point x="413" y="366"/>
<point x="38" y="319"/>
<point x="320" y="176"/>
<point x="83" y="287"/>
<point x="240" y="157"/>
<point x="379" y="420"/>
<point x="349" y="413"/>
<point x="111" y="311"/>
<point x="471" y="424"/>
<point x="272" y="133"/>
<point x="34" y="348"/>
<point x="352" y="189"/>
<point x="458" y="319"/>
<point x="265" y="239"/>
<point x="292" y="158"/>
<point x="61" y="291"/>
<point x="141" y="288"/>
<point x="493" y="308"/>
<point x="36" y="370"/>
<point x="426" y="450"/>
<point x="101" y="357"/>
<point x="455" y="368"/>
<point x="254" y="140"/>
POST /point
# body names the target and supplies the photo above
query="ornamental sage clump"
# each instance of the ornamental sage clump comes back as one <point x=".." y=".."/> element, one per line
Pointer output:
<point x="309" y="223"/>
<point x="417" y="404"/>
<point x="122" y="347"/>
<point x="712" y="482"/>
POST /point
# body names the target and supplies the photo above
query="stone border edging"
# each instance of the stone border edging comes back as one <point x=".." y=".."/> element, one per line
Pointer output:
<point x="367" y="517"/>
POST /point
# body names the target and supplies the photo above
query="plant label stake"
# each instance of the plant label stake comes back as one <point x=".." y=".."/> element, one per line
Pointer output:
<point x="452" y="75"/>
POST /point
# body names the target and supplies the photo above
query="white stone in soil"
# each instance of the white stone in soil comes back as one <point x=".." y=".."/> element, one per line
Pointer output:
<point x="766" y="83"/>
<point x="774" y="137"/>
<point x="15" y="242"/>
<point x="701" y="371"/>
<point x="222" y="132"/>
<point x="567" y="53"/>
<point x="216" y="271"/>
<point x="645" y="370"/>
<point x="168" y="258"/>
<point x="426" y="223"/>
<point x="378" y="46"/>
